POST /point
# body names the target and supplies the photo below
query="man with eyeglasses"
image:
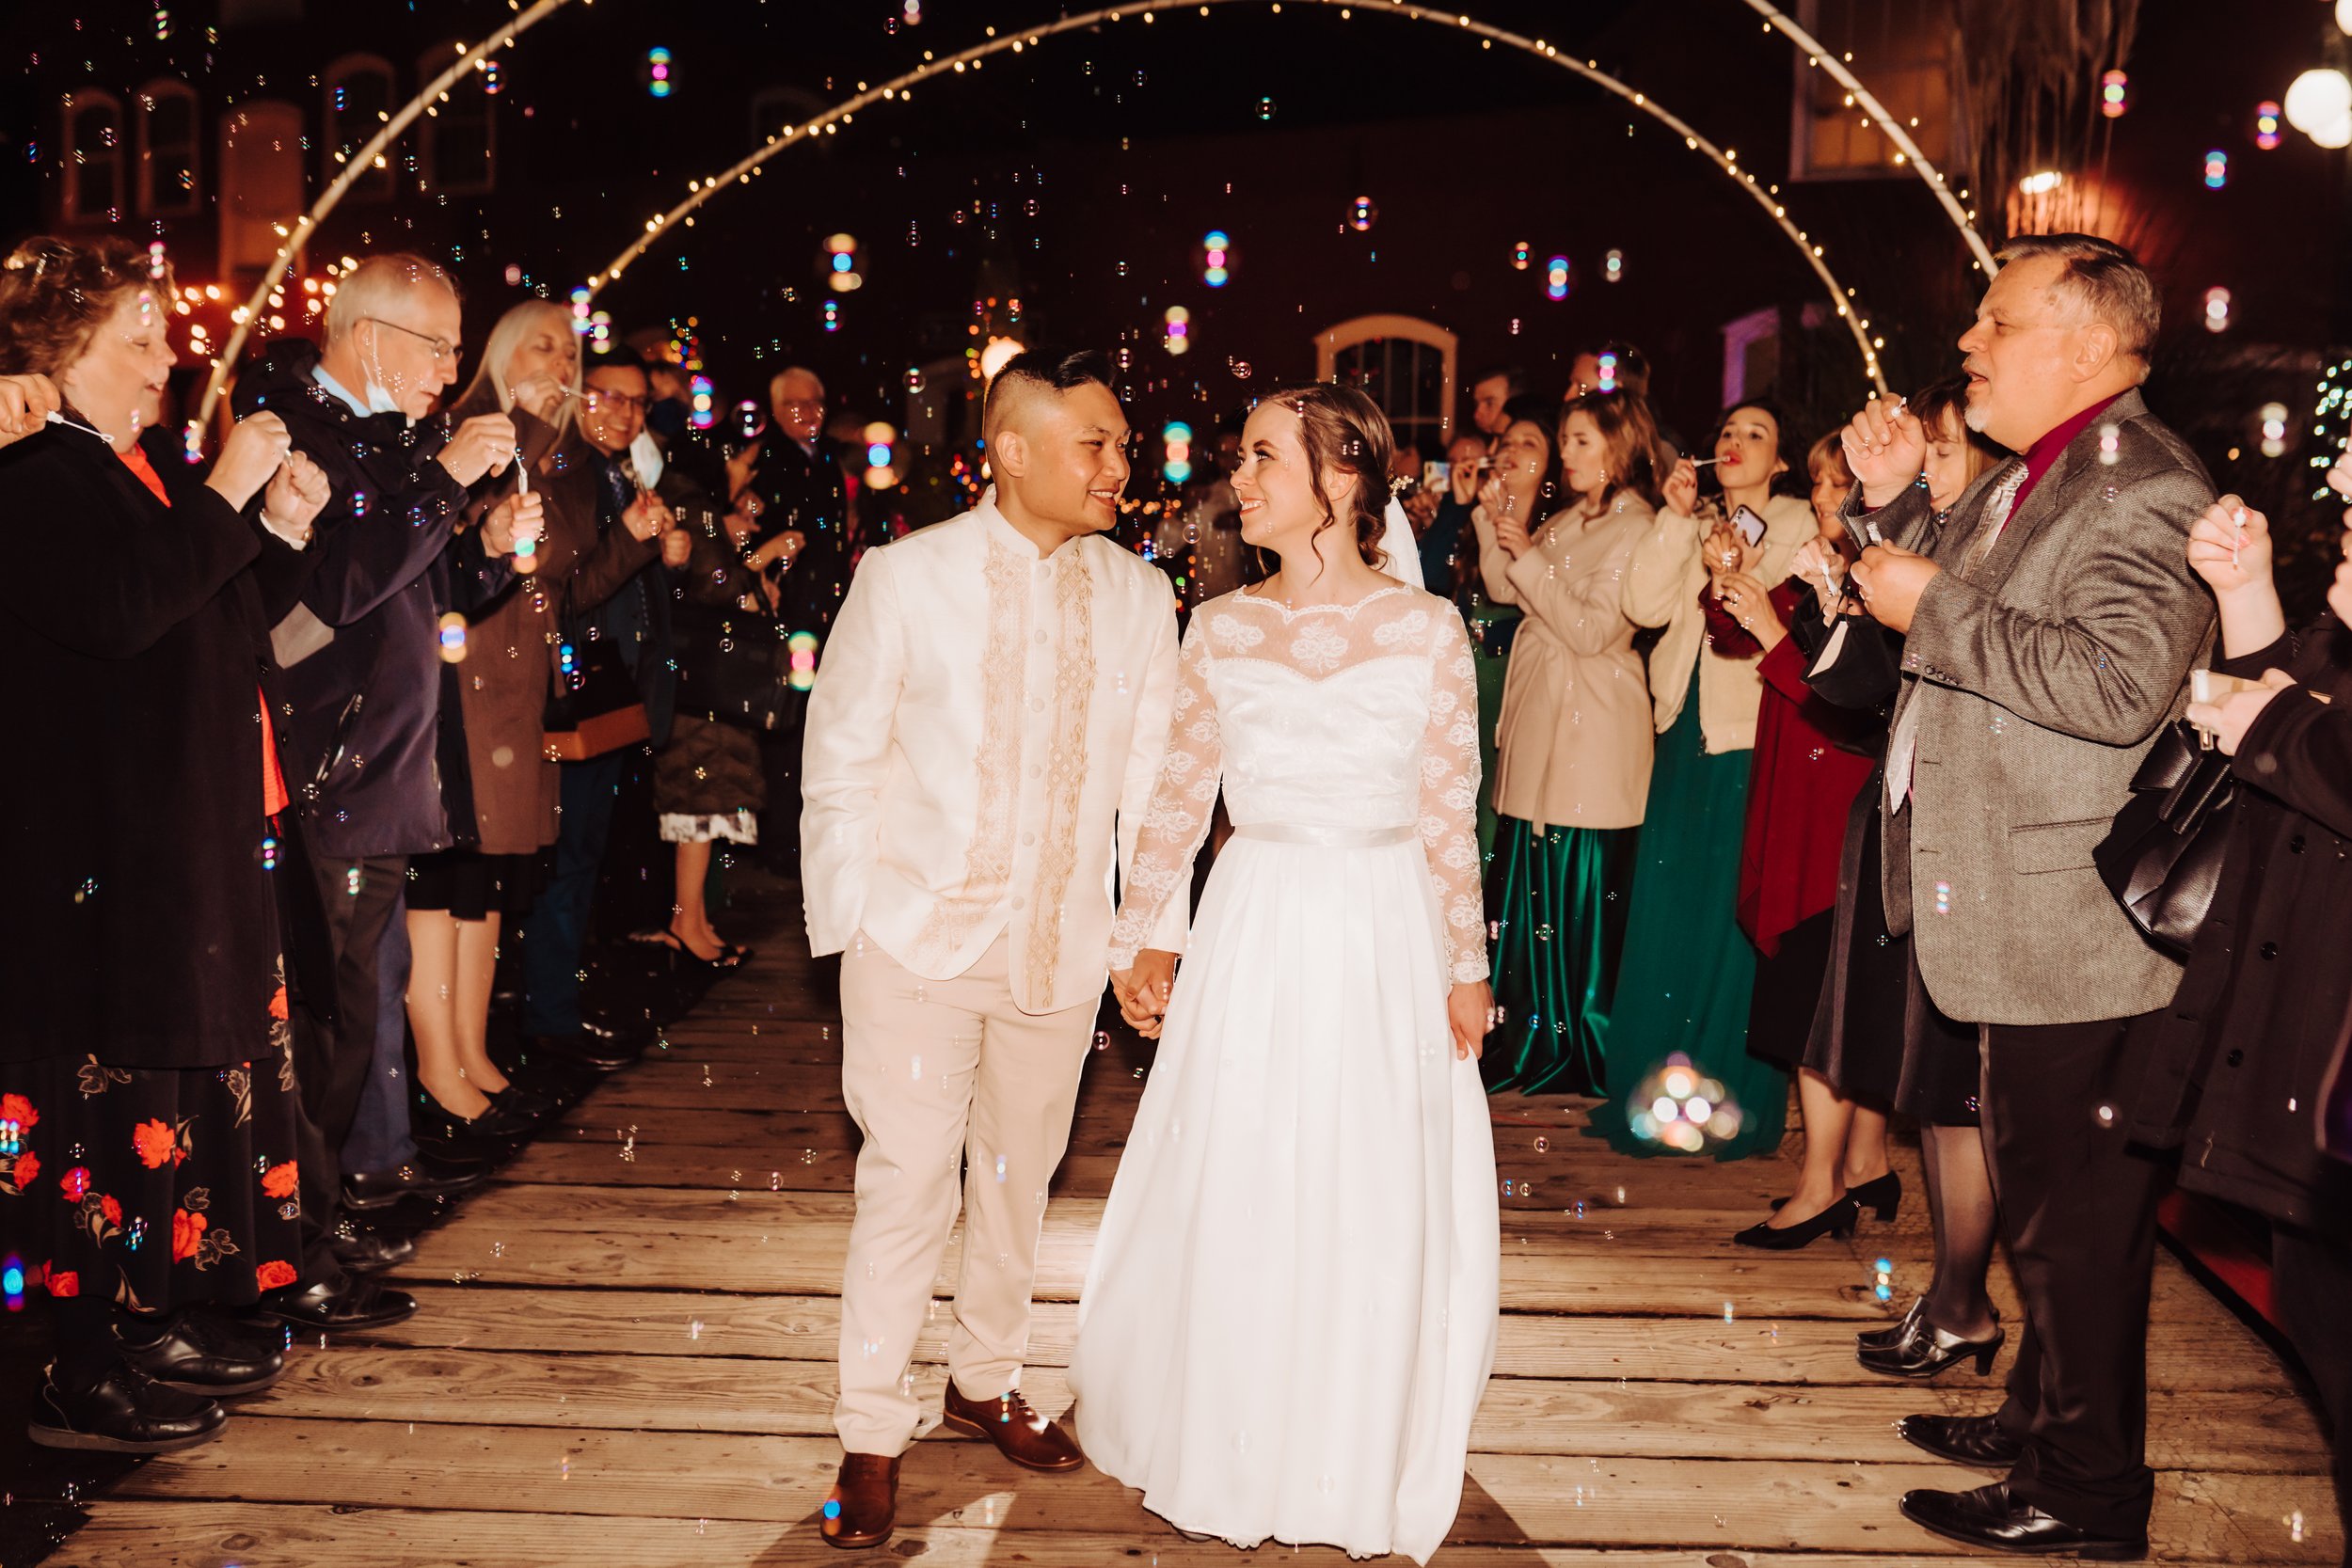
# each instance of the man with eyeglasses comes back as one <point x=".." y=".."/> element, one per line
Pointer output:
<point x="371" y="736"/>
<point x="805" y="500"/>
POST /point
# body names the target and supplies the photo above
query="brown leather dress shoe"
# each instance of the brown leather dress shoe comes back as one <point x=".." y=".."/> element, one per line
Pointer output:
<point x="1019" y="1432"/>
<point x="863" y="1503"/>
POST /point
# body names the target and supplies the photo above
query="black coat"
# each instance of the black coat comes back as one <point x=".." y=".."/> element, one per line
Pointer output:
<point x="374" y="737"/>
<point x="135" y="914"/>
<point x="2235" y="1075"/>
<point x="809" y="492"/>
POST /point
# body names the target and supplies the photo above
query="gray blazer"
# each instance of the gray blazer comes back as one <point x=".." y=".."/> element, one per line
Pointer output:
<point x="2040" y="679"/>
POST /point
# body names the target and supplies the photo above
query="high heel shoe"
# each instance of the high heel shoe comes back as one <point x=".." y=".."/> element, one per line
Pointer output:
<point x="1837" y="1220"/>
<point x="1881" y="1195"/>
<point x="1928" y="1350"/>
<point x="1894" y="1333"/>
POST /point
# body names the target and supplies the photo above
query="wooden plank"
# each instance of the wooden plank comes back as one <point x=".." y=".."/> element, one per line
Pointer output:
<point x="1511" y="1499"/>
<point x="2268" y="1432"/>
<point x="2182" y="1356"/>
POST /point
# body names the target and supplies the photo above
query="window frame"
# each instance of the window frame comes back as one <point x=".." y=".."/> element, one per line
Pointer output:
<point x="179" y="203"/>
<point x="78" y="158"/>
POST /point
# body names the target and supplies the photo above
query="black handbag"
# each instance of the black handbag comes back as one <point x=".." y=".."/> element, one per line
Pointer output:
<point x="2163" y="857"/>
<point x="597" y="706"/>
<point x="740" y="666"/>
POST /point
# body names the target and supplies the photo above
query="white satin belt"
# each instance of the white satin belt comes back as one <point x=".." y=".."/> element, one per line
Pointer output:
<point x="1329" y="837"/>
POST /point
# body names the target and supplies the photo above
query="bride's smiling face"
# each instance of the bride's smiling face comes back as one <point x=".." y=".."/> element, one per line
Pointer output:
<point x="1277" y="499"/>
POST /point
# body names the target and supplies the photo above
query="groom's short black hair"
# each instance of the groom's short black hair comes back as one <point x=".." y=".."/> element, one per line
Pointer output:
<point x="1043" y="368"/>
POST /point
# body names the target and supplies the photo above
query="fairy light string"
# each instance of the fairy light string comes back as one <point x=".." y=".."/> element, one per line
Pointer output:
<point x="1145" y="12"/>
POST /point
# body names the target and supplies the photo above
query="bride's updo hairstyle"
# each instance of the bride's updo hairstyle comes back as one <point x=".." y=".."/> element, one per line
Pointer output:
<point x="53" y="294"/>
<point x="1341" y="428"/>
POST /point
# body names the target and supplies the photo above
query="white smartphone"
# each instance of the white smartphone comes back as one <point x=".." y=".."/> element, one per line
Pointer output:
<point x="1436" y="476"/>
<point x="1751" y="527"/>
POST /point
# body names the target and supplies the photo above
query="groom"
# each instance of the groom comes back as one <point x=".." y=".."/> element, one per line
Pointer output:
<point x="991" y="720"/>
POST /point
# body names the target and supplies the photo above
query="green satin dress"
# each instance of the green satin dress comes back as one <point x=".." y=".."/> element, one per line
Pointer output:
<point x="1683" y="988"/>
<point x="1557" y="903"/>
<point x="1492" y="629"/>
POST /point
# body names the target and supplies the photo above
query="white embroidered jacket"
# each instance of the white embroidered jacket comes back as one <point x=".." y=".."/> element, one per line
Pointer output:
<point x="983" y="738"/>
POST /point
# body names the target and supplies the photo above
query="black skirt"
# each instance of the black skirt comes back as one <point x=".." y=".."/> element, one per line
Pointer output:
<point x="1876" y="1037"/>
<point x="470" y="885"/>
<point x="1787" y="992"/>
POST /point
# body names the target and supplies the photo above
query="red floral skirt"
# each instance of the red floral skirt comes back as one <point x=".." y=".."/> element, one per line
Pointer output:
<point x="153" y="1188"/>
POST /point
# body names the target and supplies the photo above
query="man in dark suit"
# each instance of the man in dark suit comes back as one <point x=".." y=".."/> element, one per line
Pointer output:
<point x="2050" y="625"/>
<point x="800" y="478"/>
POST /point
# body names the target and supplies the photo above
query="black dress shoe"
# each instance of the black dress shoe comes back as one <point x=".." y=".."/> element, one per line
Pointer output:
<point x="369" y="1190"/>
<point x="1837" y="1220"/>
<point x="1991" y="1518"/>
<point x="1927" y="1349"/>
<point x="532" y="1104"/>
<point x="125" y="1412"/>
<point x="1877" y="1339"/>
<point x="1881" y="1195"/>
<point x="354" y="1304"/>
<point x="494" y="1124"/>
<point x="1977" y="1440"/>
<point x="587" y="1050"/>
<point x="202" y="1353"/>
<point x="369" y="1250"/>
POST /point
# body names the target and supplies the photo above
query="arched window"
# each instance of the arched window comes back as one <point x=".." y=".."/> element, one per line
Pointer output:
<point x="169" y="173"/>
<point x="93" y="157"/>
<point x="1404" y="365"/>
<point x="359" y="98"/>
<point x="458" y="136"/>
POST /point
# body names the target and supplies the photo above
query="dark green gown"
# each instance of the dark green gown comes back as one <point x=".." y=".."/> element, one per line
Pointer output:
<point x="1683" y="987"/>
<point x="1557" y="903"/>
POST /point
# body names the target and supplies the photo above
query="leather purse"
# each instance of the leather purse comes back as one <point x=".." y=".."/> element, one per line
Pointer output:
<point x="595" y="708"/>
<point x="741" y="668"/>
<point x="2163" y="857"/>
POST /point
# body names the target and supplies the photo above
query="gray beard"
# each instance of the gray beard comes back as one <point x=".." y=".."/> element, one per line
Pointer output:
<point x="1975" y="417"/>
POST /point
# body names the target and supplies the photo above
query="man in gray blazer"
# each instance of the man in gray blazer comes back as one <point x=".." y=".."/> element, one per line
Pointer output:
<point x="2050" y="625"/>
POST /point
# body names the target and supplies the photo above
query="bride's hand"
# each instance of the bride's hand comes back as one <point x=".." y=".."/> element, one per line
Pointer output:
<point x="1143" y="990"/>
<point x="1469" y="1007"/>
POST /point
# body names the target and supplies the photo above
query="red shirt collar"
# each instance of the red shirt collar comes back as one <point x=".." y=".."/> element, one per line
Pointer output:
<point x="2043" y="454"/>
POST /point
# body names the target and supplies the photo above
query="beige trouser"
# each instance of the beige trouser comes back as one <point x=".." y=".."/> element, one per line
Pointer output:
<point x="934" y="1070"/>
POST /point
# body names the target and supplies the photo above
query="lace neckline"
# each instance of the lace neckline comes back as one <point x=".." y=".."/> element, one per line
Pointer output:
<point x="1348" y="610"/>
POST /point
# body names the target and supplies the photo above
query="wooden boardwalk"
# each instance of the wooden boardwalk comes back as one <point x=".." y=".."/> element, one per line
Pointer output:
<point x="624" y="1358"/>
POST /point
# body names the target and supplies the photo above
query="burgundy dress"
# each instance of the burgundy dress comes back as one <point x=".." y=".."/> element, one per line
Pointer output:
<point x="1810" y="762"/>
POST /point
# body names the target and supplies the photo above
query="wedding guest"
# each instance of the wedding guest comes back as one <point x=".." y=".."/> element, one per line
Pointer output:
<point x="1684" y="985"/>
<point x="374" y="737"/>
<point x="1811" y="760"/>
<point x="2049" y="627"/>
<point x="1492" y="390"/>
<point x="1447" y="540"/>
<point x="963" y="867"/>
<point x="1574" y="742"/>
<point x="2240" y="1059"/>
<point x="799" y="475"/>
<point x="147" y="1119"/>
<point x="1614" y="367"/>
<point x="611" y="598"/>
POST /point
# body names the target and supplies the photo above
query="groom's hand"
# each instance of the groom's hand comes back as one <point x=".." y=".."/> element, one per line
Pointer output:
<point x="1143" y="990"/>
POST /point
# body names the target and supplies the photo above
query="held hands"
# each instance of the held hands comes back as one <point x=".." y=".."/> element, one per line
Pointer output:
<point x="1749" y="603"/>
<point x="256" y="450"/>
<point x="25" y="404"/>
<point x="296" y="495"/>
<point x="2228" y="720"/>
<point x="513" y="520"/>
<point x="1681" y="489"/>
<point x="2230" y="548"/>
<point x="647" y="516"/>
<point x="1891" y="581"/>
<point x="1887" y="447"/>
<point x="482" y="445"/>
<point x="1144" y="990"/>
<point x="677" y="548"/>
<point x="1469" y="1010"/>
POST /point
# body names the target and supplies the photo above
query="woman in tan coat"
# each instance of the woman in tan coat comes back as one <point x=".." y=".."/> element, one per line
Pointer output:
<point x="1574" y="742"/>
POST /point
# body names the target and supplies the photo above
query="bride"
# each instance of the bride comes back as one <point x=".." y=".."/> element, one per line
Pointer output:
<point x="1290" y="1311"/>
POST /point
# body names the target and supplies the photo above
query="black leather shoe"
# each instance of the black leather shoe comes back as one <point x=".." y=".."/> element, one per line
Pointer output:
<point x="125" y="1412"/>
<point x="434" y="1123"/>
<point x="370" y="1251"/>
<point x="1881" y="1195"/>
<point x="1962" y="1439"/>
<point x="202" y="1353"/>
<point x="1837" y="1220"/>
<point x="1992" y="1519"/>
<point x="354" y="1304"/>
<point x="585" y="1050"/>
<point x="1928" y="1350"/>
<point x="371" y="1190"/>
<point x="1879" y="1339"/>
<point x="534" y="1105"/>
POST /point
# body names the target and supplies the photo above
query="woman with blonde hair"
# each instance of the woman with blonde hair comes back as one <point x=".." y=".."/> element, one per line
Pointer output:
<point x="1574" y="744"/>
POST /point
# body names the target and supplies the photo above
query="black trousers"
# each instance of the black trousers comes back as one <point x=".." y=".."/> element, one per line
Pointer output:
<point x="335" y="1035"/>
<point x="2311" y="1279"/>
<point x="2078" y="1214"/>
<point x="780" y="761"/>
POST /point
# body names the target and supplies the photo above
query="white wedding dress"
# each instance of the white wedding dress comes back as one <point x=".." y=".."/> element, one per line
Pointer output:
<point x="1292" y="1307"/>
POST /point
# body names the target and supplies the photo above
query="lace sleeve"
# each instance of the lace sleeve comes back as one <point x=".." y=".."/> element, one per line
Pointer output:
<point x="1182" y="804"/>
<point x="1449" y="799"/>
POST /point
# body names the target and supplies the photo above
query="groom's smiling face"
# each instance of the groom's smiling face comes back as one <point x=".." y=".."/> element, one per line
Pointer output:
<point x="1070" y="464"/>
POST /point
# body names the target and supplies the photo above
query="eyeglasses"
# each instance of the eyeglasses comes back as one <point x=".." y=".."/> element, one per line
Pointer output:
<point x="617" y="402"/>
<point x="440" y="348"/>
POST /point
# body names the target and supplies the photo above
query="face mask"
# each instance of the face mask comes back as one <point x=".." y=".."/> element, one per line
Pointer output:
<point x="646" y="456"/>
<point x="379" y="400"/>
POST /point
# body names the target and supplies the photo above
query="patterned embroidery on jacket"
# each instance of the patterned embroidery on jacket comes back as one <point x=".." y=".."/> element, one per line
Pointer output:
<point x="988" y="863"/>
<point x="1065" y="772"/>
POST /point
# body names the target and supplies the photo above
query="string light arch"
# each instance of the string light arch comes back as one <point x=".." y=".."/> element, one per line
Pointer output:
<point x="1145" y="12"/>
